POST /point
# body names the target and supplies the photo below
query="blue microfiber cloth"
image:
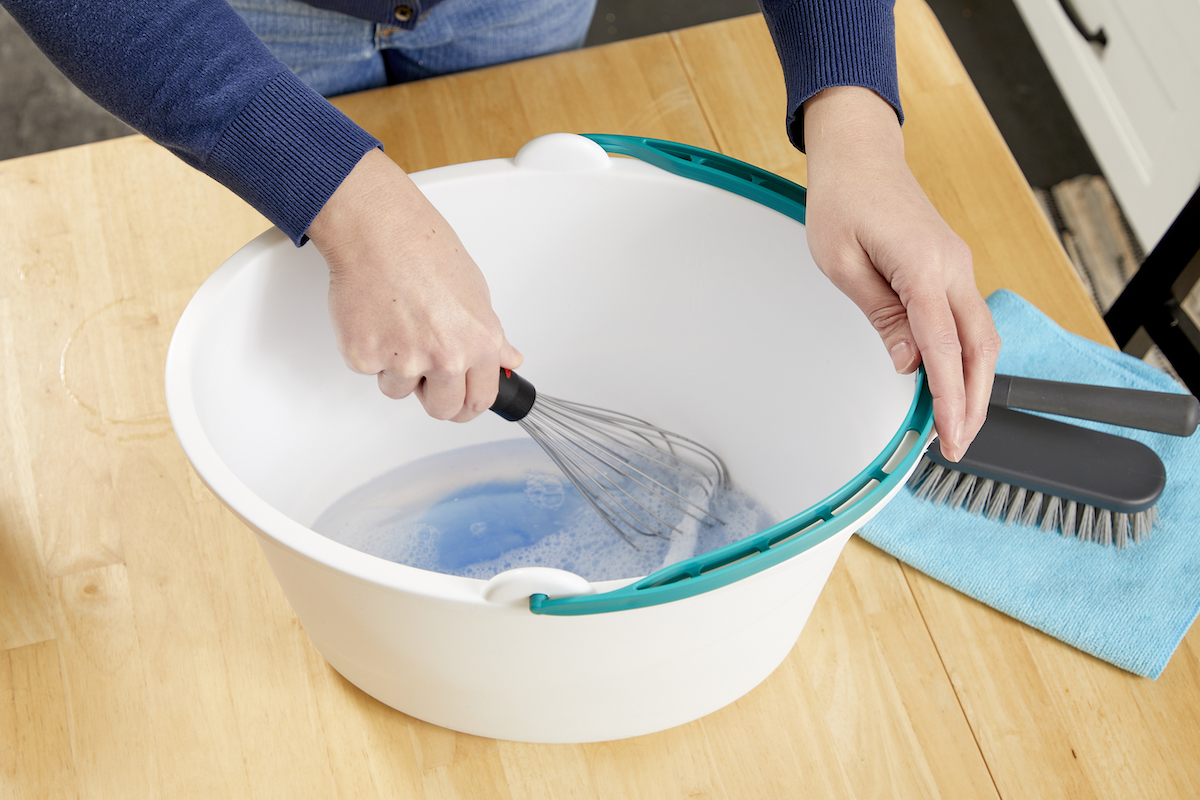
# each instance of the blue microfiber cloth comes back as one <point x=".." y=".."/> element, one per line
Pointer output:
<point x="1130" y="607"/>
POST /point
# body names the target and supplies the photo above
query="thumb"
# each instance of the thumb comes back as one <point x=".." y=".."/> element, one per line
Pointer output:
<point x="874" y="296"/>
<point x="510" y="357"/>
<point x="897" y="337"/>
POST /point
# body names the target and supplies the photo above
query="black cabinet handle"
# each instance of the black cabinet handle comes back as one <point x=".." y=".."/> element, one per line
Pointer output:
<point x="1098" y="37"/>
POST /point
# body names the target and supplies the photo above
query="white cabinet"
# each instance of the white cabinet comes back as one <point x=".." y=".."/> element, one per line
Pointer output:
<point x="1136" y="98"/>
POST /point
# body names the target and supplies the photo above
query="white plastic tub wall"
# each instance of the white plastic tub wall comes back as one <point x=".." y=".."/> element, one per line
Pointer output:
<point x="625" y="287"/>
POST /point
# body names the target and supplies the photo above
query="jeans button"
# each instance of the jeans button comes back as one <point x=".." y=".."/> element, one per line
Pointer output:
<point x="403" y="13"/>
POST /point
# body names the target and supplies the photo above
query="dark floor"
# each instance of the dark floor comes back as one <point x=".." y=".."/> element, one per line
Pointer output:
<point x="40" y="111"/>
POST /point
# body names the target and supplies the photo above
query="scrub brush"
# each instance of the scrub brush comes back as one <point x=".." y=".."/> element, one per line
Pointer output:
<point x="1043" y="472"/>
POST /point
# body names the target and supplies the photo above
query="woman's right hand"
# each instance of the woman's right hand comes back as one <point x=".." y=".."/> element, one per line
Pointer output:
<point x="407" y="301"/>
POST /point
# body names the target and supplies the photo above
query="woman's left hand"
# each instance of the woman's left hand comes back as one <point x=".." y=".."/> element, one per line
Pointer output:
<point x="874" y="233"/>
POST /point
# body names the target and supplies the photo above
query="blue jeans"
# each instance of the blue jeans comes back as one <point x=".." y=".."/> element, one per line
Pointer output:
<point x="336" y="53"/>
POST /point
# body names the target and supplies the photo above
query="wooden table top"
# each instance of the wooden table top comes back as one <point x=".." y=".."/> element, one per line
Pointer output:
<point x="147" y="650"/>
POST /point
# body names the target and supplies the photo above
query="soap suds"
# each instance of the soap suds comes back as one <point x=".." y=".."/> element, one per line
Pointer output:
<point x="489" y="508"/>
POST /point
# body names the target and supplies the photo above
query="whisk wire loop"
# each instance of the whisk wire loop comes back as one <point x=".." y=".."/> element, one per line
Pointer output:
<point x="633" y="474"/>
<point x="608" y="424"/>
<point x="592" y="482"/>
<point x="597" y="496"/>
<point x="617" y="456"/>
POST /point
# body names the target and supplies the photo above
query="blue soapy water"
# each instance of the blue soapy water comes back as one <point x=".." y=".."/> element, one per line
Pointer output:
<point x="484" y="521"/>
<point x="478" y="511"/>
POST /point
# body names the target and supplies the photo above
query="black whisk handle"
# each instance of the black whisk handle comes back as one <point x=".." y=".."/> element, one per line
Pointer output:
<point x="1162" y="412"/>
<point x="516" y="396"/>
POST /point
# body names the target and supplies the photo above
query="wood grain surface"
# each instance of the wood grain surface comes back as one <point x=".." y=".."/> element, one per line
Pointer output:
<point x="146" y="650"/>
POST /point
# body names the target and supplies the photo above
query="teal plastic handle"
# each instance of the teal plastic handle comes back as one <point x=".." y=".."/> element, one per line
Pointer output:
<point x="836" y="513"/>
<point x="715" y="169"/>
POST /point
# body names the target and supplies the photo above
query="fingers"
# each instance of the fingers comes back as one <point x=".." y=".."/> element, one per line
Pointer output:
<point x="397" y="386"/>
<point x="936" y="333"/>
<point x="947" y="327"/>
<point x="510" y="357"/>
<point x="446" y="388"/>
<point x="481" y="387"/>
<point x="874" y="296"/>
<point x="959" y="347"/>
<point x="981" y="349"/>
<point x="443" y="396"/>
<point x="917" y="288"/>
<point x="455" y="395"/>
<point x="451" y="394"/>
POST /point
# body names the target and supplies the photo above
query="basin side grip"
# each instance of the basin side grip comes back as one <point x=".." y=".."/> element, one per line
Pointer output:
<point x="514" y="587"/>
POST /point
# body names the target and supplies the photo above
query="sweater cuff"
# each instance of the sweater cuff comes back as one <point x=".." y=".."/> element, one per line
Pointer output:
<point x="845" y="43"/>
<point x="286" y="152"/>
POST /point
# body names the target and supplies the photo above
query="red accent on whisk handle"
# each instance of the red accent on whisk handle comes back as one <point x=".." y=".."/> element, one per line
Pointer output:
<point x="516" y="396"/>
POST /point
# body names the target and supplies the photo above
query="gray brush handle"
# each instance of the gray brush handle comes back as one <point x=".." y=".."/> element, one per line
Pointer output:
<point x="1162" y="412"/>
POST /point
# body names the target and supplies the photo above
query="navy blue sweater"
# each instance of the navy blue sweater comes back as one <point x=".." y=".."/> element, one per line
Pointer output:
<point x="191" y="76"/>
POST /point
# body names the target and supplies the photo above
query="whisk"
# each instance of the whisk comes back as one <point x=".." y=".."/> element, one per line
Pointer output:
<point x="638" y="477"/>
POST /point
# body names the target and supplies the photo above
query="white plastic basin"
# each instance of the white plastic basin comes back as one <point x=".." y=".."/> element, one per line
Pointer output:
<point x="626" y="287"/>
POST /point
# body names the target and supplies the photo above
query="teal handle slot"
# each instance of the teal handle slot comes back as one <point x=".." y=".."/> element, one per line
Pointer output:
<point x="765" y="549"/>
<point x="698" y="164"/>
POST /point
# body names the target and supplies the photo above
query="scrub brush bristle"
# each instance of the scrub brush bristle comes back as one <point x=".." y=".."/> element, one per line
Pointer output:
<point x="1003" y="502"/>
<point x="1038" y="472"/>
